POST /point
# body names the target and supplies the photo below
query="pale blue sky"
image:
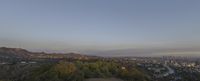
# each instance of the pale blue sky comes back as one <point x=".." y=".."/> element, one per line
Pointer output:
<point x="99" y="24"/>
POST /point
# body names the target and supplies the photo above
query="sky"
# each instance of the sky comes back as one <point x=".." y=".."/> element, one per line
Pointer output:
<point x="91" y="26"/>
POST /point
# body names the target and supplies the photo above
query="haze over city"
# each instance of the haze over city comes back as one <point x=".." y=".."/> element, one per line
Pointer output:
<point x="102" y="27"/>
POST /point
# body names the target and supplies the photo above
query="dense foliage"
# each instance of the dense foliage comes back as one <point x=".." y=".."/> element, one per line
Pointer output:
<point x="78" y="71"/>
<point x="75" y="71"/>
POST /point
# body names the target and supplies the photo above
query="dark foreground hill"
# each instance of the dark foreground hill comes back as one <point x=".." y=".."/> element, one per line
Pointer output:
<point x="21" y="65"/>
<point x="18" y="64"/>
<point x="71" y="71"/>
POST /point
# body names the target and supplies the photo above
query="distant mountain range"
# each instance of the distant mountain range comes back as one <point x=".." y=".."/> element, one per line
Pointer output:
<point x="7" y="53"/>
<point x="150" y="52"/>
<point x="24" y="54"/>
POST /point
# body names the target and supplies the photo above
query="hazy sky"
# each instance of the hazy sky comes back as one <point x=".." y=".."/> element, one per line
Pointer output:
<point x="77" y="25"/>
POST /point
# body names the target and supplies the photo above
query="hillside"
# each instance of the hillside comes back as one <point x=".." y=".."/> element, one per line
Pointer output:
<point x="19" y="53"/>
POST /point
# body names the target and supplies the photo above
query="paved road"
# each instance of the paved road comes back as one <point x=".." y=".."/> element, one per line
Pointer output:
<point x="170" y="70"/>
